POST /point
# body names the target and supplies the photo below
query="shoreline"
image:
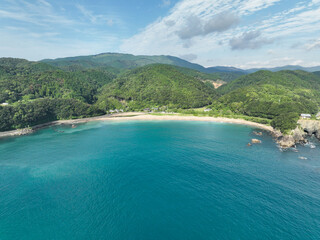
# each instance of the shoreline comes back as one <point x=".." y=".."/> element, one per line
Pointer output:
<point x="136" y="116"/>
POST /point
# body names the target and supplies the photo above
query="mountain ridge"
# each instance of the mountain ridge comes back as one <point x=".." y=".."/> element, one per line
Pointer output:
<point x="130" y="61"/>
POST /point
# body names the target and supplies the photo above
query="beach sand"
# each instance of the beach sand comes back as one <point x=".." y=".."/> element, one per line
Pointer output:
<point x="138" y="116"/>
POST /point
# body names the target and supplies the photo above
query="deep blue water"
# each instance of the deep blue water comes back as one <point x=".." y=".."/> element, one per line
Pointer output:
<point x="156" y="180"/>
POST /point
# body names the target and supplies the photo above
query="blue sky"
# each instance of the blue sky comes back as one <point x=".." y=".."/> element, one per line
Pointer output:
<point x="241" y="33"/>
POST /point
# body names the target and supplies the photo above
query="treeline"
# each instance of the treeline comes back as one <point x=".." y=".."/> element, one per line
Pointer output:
<point x="40" y="111"/>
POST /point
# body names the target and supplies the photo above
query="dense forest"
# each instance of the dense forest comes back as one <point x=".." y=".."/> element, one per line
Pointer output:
<point x="158" y="85"/>
<point x="272" y="95"/>
<point x="37" y="92"/>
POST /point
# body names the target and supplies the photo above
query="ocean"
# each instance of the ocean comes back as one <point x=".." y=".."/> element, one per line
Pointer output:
<point x="169" y="180"/>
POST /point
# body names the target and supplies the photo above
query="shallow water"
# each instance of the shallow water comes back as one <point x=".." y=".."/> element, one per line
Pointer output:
<point x="156" y="180"/>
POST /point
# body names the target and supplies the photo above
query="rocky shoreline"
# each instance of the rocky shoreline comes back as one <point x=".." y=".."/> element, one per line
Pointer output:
<point x="300" y="135"/>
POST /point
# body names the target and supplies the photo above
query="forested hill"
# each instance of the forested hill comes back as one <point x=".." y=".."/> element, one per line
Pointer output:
<point x="280" y="96"/>
<point x="23" y="80"/>
<point x="215" y="76"/>
<point x="38" y="92"/>
<point x="317" y="73"/>
<point x="158" y="85"/>
<point x="120" y="61"/>
<point x="288" y="79"/>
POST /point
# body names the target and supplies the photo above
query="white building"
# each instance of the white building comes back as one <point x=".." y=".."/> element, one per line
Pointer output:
<point x="306" y="115"/>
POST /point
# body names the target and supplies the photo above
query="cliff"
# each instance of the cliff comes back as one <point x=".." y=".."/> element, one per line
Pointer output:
<point x="305" y="129"/>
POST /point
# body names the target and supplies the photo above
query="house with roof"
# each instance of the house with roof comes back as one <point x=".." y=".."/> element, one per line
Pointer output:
<point x="305" y="116"/>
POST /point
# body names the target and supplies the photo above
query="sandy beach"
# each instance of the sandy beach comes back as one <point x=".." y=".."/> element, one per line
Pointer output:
<point x="137" y="116"/>
<point x="173" y="117"/>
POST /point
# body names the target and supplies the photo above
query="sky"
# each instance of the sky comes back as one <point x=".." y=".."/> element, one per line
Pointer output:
<point x="239" y="33"/>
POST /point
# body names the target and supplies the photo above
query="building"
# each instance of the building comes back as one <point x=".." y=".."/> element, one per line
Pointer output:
<point x="207" y="110"/>
<point x="306" y="116"/>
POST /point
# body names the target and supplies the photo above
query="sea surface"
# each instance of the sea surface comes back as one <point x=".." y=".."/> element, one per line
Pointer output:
<point x="156" y="180"/>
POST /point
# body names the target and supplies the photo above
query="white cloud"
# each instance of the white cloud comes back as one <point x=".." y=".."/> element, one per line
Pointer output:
<point x="249" y="40"/>
<point x="203" y="17"/>
<point x="94" y="18"/>
<point x="314" y="45"/>
<point x="183" y="28"/>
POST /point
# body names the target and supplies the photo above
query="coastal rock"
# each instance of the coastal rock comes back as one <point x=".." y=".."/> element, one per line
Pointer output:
<point x="24" y="131"/>
<point x="299" y="135"/>
<point x="287" y="141"/>
<point x="311" y="127"/>
<point x="255" y="141"/>
<point x="276" y="134"/>
<point x="257" y="133"/>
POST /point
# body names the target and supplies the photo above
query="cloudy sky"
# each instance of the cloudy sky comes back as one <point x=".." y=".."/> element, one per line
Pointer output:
<point x="241" y="33"/>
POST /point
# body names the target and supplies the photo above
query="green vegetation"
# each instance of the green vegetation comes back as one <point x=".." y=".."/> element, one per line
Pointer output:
<point x="285" y="122"/>
<point x="279" y="96"/>
<point x="23" y="80"/>
<point x="120" y="61"/>
<point x="224" y="76"/>
<point x="38" y="92"/>
<point x="157" y="85"/>
<point x="40" y="111"/>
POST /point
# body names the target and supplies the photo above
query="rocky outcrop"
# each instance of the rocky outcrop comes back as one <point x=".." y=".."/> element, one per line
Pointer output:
<point x="286" y="141"/>
<point x="19" y="132"/>
<point x="305" y="129"/>
<point x="255" y="141"/>
<point x="257" y="133"/>
<point x="311" y="127"/>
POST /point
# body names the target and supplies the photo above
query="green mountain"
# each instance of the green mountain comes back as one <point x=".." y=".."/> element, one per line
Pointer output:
<point x="120" y="61"/>
<point x="157" y="85"/>
<point x="317" y="73"/>
<point x="77" y="87"/>
<point x="15" y="66"/>
<point x="82" y="85"/>
<point x="288" y="67"/>
<point x="38" y="93"/>
<point x="279" y="95"/>
<point x="213" y="77"/>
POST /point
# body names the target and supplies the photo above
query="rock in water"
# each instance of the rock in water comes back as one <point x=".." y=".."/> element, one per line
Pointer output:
<point x="257" y="133"/>
<point x="287" y="141"/>
<point x="255" y="141"/>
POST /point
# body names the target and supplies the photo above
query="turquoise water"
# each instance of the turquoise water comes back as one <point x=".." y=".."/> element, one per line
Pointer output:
<point x="156" y="180"/>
